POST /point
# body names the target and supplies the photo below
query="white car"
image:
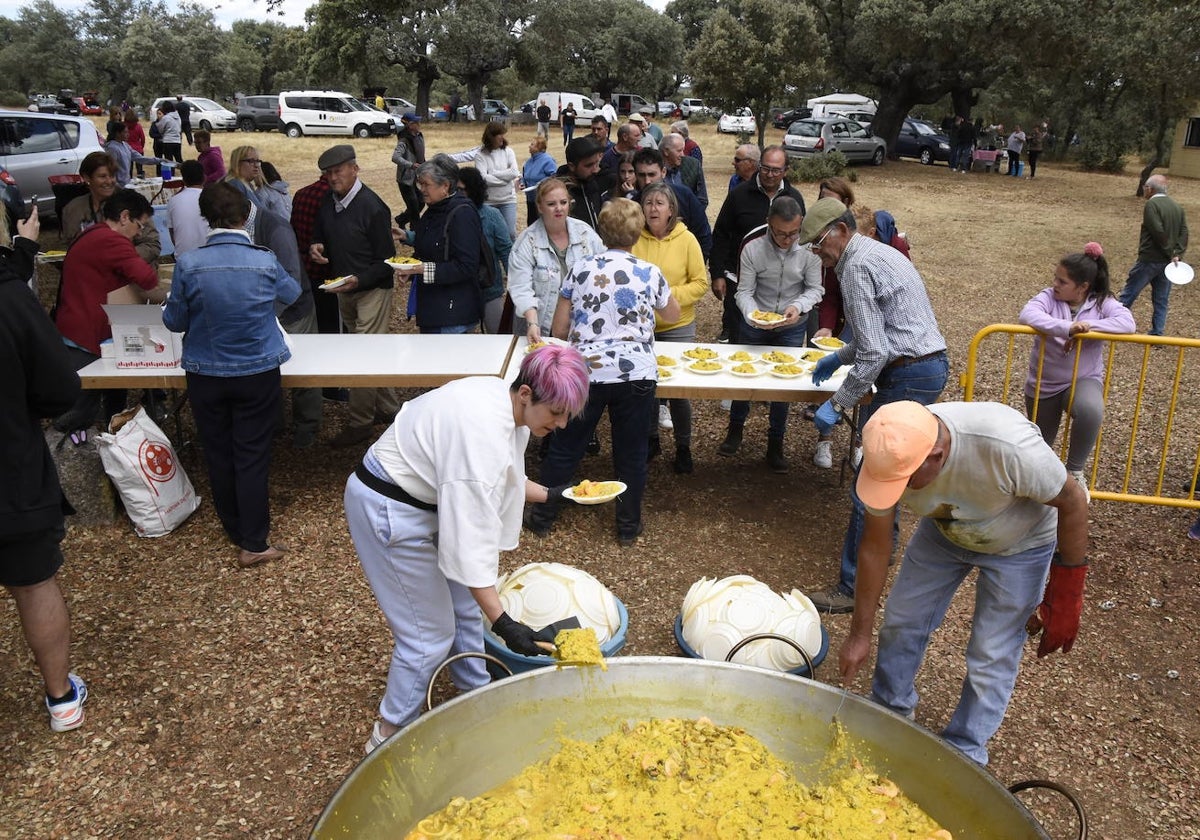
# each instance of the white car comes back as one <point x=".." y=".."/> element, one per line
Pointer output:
<point x="35" y="147"/>
<point x="740" y="121"/>
<point x="205" y="114"/>
<point x="692" y="107"/>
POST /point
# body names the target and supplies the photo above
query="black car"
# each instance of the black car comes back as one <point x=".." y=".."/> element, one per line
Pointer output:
<point x="47" y="104"/>
<point x="785" y="118"/>
<point x="259" y="113"/>
<point x="921" y="140"/>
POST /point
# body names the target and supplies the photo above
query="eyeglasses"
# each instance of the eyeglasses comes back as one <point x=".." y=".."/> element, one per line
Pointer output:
<point x="772" y="170"/>
<point x="816" y="246"/>
<point x="786" y="235"/>
<point x="252" y="161"/>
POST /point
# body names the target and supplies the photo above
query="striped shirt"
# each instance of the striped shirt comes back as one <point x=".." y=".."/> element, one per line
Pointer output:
<point x="888" y="309"/>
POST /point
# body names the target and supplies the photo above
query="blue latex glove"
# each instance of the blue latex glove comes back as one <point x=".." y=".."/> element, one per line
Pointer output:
<point x="826" y="368"/>
<point x="827" y="416"/>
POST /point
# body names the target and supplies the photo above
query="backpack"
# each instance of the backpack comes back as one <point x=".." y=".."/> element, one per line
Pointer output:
<point x="487" y="260"/>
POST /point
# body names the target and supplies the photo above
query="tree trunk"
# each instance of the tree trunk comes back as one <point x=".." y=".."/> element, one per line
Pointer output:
<point x="425" y="79"/>
<point x="475" y="83"/>
<point x="1160" y="153"/>
<point x="963" y="99"/>
<point x="889" y="119"/>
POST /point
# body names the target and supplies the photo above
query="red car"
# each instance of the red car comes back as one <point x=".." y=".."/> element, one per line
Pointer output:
<point x="91" y="109"/>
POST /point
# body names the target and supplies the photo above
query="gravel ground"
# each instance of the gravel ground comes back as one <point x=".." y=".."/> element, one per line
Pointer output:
<point x="227" y="702"/>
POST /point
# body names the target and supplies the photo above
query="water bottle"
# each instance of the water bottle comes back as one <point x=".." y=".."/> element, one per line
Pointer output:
<point x="167" y="172"/>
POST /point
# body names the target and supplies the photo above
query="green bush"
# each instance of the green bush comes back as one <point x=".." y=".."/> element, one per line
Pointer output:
<point x="819" y="167"/>
<point x="13" y="99"/>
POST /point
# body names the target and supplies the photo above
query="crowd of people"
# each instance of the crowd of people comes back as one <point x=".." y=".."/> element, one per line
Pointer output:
<point x="616" y="254"/>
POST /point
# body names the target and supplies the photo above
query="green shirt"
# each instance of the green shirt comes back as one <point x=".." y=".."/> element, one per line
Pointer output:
<point x="1164" y="230"/>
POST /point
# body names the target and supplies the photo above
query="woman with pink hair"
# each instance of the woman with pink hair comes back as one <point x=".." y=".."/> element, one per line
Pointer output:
<point x="1080" y="301"/>
<point x="434" y="502"/>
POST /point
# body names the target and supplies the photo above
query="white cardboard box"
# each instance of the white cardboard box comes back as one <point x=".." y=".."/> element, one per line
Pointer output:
<point x="140" y="340"/>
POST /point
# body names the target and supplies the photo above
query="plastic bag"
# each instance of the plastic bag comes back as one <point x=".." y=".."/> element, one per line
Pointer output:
<point x="143" y="466"/>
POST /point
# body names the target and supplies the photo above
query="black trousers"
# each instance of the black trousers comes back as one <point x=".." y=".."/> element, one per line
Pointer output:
<point x="235" y="416"/>
<point x="412" y="204"/>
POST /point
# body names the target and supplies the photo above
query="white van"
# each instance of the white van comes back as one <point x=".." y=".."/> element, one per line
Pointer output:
<point x="330" y="112"/>
<point x="585" y="108"/>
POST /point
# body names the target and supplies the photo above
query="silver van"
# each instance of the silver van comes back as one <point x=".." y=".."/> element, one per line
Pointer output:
<point x="36" y="146"/>
<point x="304" y="112"/>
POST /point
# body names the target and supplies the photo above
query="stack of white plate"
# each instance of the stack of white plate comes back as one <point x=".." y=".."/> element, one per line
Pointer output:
<point x="717" y="614"/>
<point x="538" y="594"/>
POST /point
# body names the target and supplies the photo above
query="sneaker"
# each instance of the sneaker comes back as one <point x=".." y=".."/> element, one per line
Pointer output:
<point x="628" y="540"/>
<point x="726" y="405"/>
<point x="68" y="714"/>
<point x="823" y="457"/>
<point x="664" y="418"/>
<point x="352" y="436"/>
<point x="377" y="738"/>
<point x="723" y="338"/>
<point x="1078" y="476"/>
<point x="832" y="600"/>
<point x="593" y="446"/>
<point x="683" y="460"/>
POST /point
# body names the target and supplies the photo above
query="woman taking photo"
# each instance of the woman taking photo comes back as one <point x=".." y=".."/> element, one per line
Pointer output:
<point x="1080" y="301"/>
<point x="444" y="295"/>
<point x="497" y="164"/>
<point x="434" y="502"/>
<point x="667" y="243"/>
<point x="542" y="256"/>
<point x="223" y="299"/>
<point x="607" y="309"/>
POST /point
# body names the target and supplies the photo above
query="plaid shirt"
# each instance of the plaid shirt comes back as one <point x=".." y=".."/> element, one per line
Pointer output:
<point x="888" y="308"/>
<point x="305" y="203"/>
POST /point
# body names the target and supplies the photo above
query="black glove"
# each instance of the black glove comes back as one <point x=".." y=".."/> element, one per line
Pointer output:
<point x="518" y="636"/>
<point x="555" y="494"/>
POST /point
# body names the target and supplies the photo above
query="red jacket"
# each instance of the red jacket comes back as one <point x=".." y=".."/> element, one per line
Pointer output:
<point x="137" y="137"/>
<point x="100" y="261"/>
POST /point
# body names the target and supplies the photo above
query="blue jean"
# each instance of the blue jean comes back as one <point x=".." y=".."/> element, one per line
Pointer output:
<point x="921" y="382"/>
<point x="629" y="406"/>
<point x="793" y="336"/>
<point x="1154" y="275"/>
<point x="430" y="615"/>
<point x="1008" y="590"/>
<point x="960" y="158"/>
<point x="509" y="212"/>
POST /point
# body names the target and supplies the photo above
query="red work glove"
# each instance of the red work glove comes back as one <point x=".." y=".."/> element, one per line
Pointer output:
<point x="1057" y="619"/>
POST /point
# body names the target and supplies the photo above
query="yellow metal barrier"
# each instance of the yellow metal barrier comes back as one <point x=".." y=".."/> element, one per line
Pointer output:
<point x="1150" y="439"/>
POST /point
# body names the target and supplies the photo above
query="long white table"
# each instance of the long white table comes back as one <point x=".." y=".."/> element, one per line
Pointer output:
<point x="348" y="361"/>
<point x="725" y="385"/>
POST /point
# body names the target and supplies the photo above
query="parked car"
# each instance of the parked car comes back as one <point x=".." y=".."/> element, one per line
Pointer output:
<point x="667" y="109"/>
<point x="330" y="112"/>
<point x="693" y="107"/>
<point x="785" y="118"/>
<point x="806" y="138"/>
<point x="492" y="108"/>
<point x="398" y="106"/>
<point x="205" y="113"/>
<point x="863" y="118"/>
<point x="89" y="108"/>
<point x="921" y="140"/>
<point x="629" y="103"/>
<point x="36" y="146"/>
<point x="259" y="113"/>
<point x="740" y="121"/>
<point x="46" y="103"/>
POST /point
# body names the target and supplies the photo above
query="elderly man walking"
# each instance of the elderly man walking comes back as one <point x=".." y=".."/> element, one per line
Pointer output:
<point x="353" y="236"/>
<point x="993" y="497"/>
<point x="1163" y="241"/>
<point x="896" y="347"/>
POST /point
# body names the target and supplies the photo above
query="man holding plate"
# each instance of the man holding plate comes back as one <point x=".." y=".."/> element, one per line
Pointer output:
<point x="897" y="349"/>
<point x="1163" y="240"/>
<point x="777" y="276"/>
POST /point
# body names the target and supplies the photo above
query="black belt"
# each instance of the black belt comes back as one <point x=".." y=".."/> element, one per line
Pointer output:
<point x="392" y="491"/>
<point x="905" y="361"/>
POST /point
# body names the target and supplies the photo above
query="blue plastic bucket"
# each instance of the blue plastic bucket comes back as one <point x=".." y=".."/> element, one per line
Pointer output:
<point x="800" y="671"/>
<point x="520" y="663"/>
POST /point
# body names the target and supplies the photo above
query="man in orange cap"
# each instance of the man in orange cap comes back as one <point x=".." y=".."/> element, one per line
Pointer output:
<point x="993" y="497"/>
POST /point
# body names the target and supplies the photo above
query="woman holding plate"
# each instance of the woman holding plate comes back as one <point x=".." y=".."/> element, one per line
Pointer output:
<point x="1080" y="301"/>
<point x="776" y="275"/>
<point x="434" y="502"/>
<point x="607" y="310"/>
<point x="667" y="243"/>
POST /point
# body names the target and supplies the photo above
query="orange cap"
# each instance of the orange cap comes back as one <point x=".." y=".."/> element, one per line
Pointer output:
<point x="896" y="441"/>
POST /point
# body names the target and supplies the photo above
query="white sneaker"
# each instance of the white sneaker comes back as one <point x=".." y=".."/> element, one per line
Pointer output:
<point x="664" y="418"/>
<point x="823" y="457"/>
<point x="1078" y="476"/>
<point x="857" y="457"/>
<point x="726" y="404"/>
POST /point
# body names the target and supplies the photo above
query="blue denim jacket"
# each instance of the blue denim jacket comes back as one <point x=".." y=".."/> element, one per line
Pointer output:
<point x="223" y="299"/>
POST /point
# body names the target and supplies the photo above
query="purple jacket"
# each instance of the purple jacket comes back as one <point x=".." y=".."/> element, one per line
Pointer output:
<point x="1052" y="319"/>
